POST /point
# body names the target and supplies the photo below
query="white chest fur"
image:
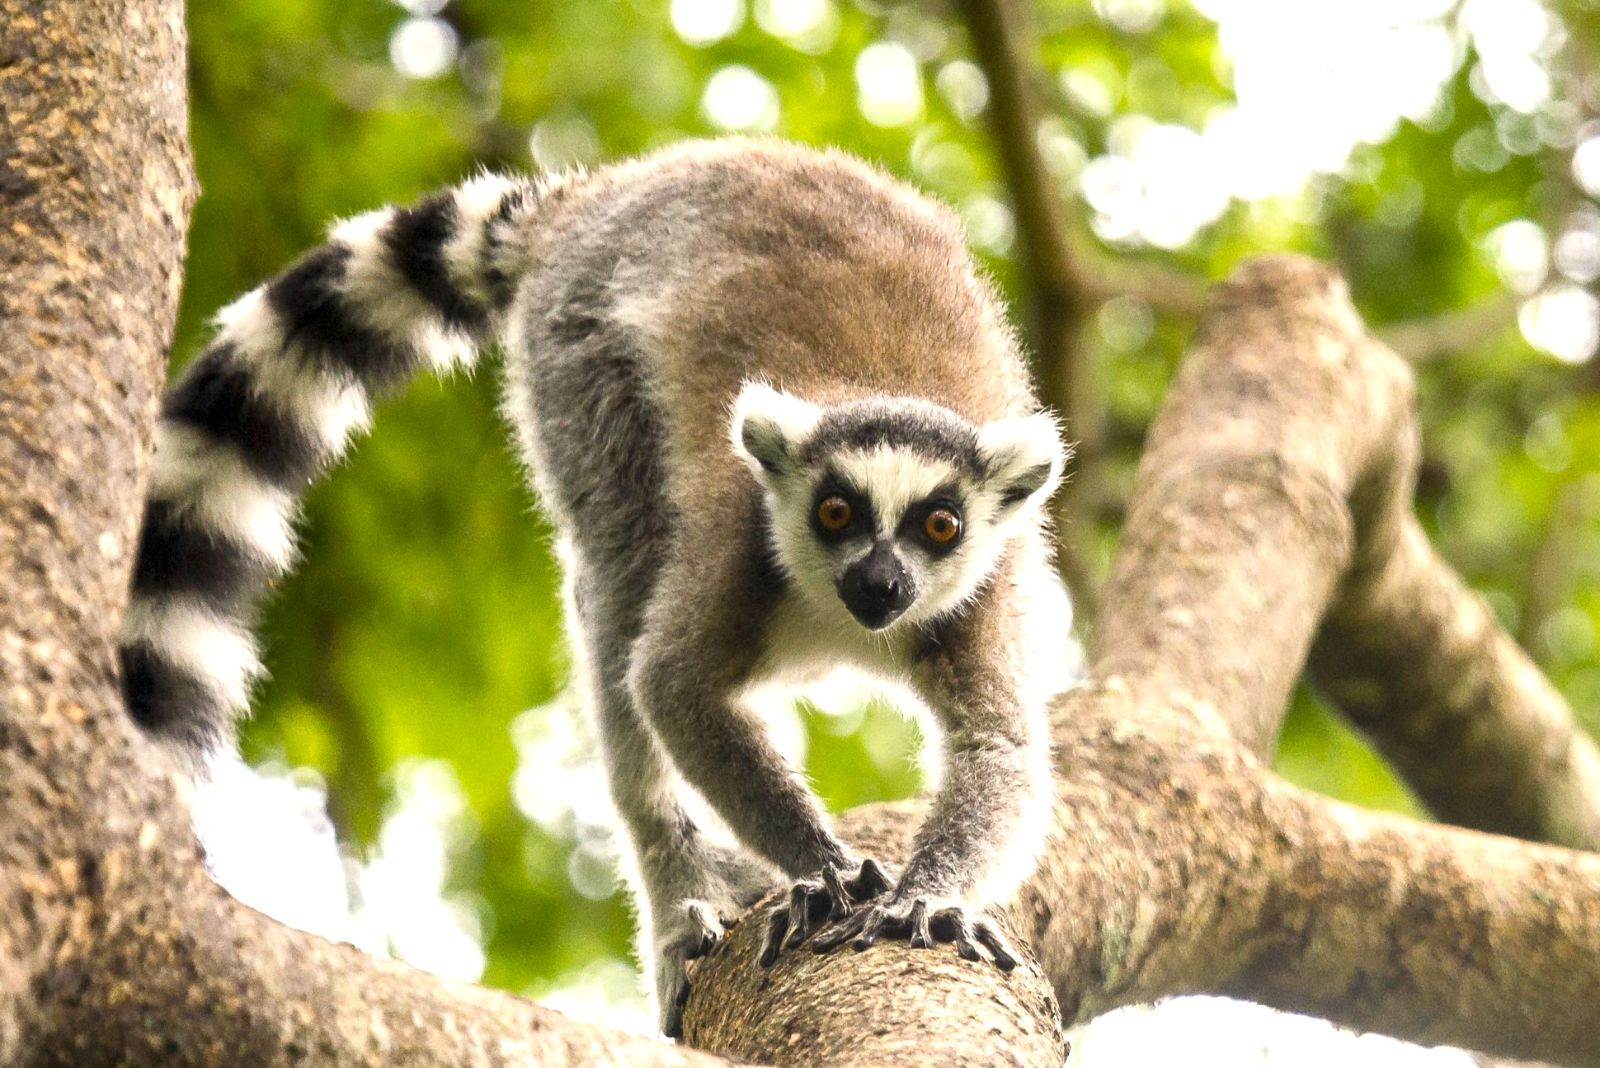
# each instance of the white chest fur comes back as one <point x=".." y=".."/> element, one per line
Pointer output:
<point x="805" y="642"/>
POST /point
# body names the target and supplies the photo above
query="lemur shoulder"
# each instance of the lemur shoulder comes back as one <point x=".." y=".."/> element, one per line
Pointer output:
<point x="779" y="422"/>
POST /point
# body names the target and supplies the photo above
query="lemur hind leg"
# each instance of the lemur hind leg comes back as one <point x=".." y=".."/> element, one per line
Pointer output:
<point x="575" y="389"/>
<point x="689" y="888"/>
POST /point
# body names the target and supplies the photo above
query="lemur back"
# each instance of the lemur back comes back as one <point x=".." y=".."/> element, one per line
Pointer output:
<point x="835" y="317"/>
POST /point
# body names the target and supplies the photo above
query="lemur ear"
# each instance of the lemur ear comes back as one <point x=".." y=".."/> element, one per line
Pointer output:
<point x="1024" y="457"/>
<point x="769" y="425"/>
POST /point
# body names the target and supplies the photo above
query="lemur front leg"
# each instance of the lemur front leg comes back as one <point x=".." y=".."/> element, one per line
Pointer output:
<point x="983" y="834"/>
<point x="687" y="675"/>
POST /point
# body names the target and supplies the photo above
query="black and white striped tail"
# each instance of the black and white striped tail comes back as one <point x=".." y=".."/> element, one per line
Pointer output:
<point x="272" y="402"/>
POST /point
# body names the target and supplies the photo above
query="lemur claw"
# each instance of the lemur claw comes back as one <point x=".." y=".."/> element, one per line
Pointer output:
<point x="831" y="895"/>
<point x="924" y="922"/>
<point x="709" y="931"/>
<point x="699" y="930"/>
<point x="674" y="992"/>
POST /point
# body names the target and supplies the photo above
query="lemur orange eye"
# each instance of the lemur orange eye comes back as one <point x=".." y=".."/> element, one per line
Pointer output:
<point x="941" y="526"/>
<point x="833" y="513"/>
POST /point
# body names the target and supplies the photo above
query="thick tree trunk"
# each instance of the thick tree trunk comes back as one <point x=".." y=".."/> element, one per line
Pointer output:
<point x="1275" y="488"/>
<point x="95" y="189"/>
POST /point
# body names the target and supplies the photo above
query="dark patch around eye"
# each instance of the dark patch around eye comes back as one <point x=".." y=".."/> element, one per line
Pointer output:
<point x="913" y="523"/>
<point x="862" y="517"/>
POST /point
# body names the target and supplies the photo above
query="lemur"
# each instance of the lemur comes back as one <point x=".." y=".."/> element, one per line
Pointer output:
<point x="780" y="424"/>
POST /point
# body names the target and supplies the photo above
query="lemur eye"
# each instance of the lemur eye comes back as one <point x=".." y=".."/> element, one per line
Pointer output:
<point x="833" y="513"/>
<point x="942" y="526"/>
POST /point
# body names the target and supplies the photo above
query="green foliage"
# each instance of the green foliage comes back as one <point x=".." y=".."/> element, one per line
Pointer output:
<point x="425" y="616"/>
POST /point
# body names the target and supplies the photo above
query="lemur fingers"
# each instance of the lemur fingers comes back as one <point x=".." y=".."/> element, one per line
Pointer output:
<point x="969" y="931"/>
<point x="870" y="881"/>
<point x="810" y="900"/>
<point x="707" y="931"/>
<point x="924" y="922"/>
<point x="861" y="930"/>
<point x="840" y="900"/>
<point x="833" y="895"/>
<point x="1005" y="957"/>
<point x="672" y="990"/>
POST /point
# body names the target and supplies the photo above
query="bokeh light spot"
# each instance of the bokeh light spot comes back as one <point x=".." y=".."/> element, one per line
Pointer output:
<point x="1564" y="321"/>
<point x="737" y="98"/>
<point x="702" y="22"/>
<point x="888" y="84"/>
<point x="809" y="26"/>
<point x="423" y="47"/>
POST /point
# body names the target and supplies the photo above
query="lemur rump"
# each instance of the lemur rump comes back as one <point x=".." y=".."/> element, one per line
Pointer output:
<point x="780" y="425"/>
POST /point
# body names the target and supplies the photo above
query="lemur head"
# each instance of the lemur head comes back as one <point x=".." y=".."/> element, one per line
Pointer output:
<point x="895" y="507"/>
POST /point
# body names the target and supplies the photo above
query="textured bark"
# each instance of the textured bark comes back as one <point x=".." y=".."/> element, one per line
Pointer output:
<point x="890" y="1006"/>
<point x="1418" y="662"/>
<point x="94" y="197"/>
<point x="1277" y="475"/>
<point x="1275" y="487"/>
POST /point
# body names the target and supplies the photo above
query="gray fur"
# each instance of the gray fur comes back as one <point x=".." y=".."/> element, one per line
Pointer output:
<point x="623" y="423"/>
<point x="696" y="341"/>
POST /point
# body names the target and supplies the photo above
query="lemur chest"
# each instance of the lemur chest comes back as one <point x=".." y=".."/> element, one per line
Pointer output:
<point x="802" y="643"/>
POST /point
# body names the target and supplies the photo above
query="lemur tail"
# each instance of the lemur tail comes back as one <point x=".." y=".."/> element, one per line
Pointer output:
<point x="272" y="402"/>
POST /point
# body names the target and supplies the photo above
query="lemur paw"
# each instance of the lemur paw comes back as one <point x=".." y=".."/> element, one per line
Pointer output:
<point x="924" y="921"/>
<point x="694" y="930"/>
<point x="831" y="895"/>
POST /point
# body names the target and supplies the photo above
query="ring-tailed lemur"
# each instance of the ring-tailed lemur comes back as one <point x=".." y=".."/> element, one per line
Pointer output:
<point x="780" y="424"/>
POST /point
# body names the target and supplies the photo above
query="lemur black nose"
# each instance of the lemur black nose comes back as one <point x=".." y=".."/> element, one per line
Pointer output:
<point x="881" y="587"/>
<point x="876" y="588"/>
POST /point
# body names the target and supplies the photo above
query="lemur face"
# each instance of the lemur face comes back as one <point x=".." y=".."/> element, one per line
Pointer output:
<point x="893" y="509"/>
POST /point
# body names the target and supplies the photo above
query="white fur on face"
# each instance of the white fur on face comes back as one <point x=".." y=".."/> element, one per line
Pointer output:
<point x="811" y="567"/>
<point x="1021" y="459"/>
<point x="767" y="427"/>
<point x="893" y="480"/>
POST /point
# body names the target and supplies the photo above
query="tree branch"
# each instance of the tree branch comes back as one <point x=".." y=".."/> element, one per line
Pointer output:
<point x="1171" y="290"/>
<point x="1419" y="663"/>
<point x="1556" y="558"/>
<point x="1442" y="935"/>
<point x="1434" y="337"/>
<point x="1281" y="462"/>
<point x="892" y="1005"/>
<point x="203" y="980"/>
<point x="1053" y="296"/>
